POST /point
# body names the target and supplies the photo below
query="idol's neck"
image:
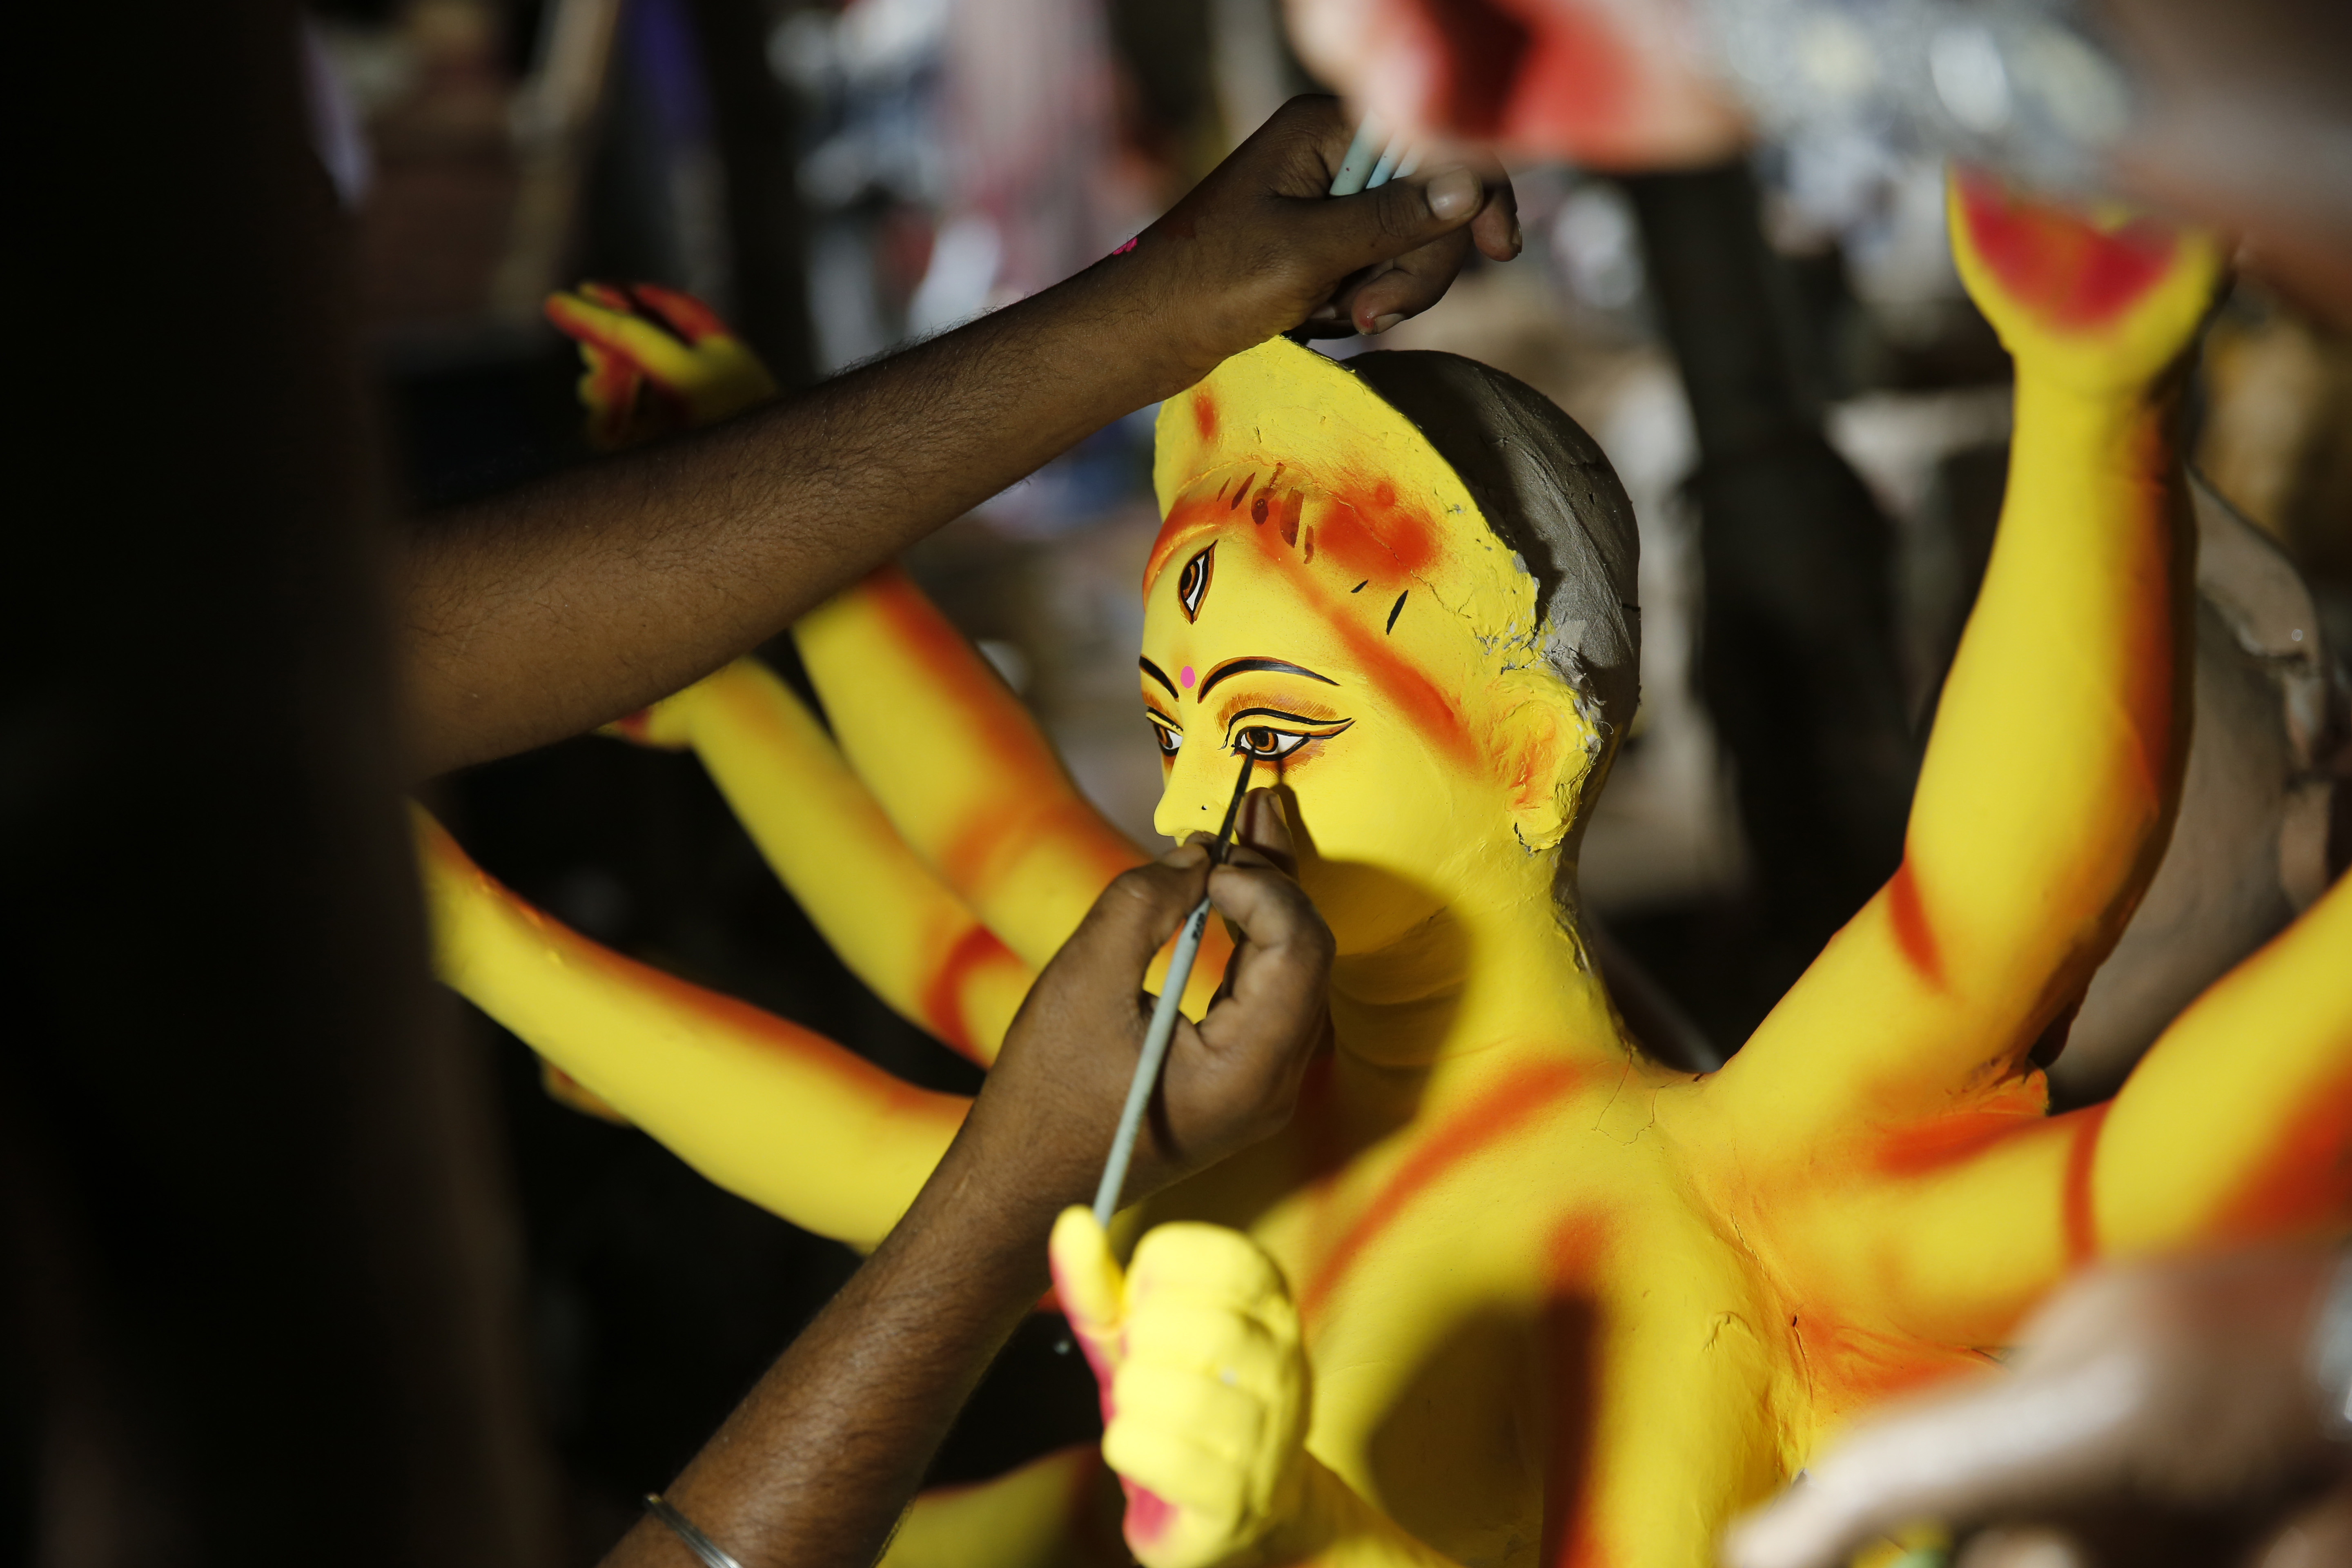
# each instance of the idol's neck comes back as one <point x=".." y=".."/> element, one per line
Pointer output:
<point x="1495" y="972"/>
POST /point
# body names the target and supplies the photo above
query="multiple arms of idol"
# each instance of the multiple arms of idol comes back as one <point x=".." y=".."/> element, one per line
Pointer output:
<point x="891" y="875"/>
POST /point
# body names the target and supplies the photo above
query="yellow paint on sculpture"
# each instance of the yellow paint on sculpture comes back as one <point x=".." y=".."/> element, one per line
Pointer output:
<point x="1504" y="1292"/>
<point x="966" y="776"/>
<point x="880" y="906"/>
<point x="763" y="1108"/>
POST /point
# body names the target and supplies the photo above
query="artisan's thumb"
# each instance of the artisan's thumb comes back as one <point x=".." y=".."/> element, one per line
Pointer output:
<point x="1092" y="1291"/>
<point x="1379" y="225"/>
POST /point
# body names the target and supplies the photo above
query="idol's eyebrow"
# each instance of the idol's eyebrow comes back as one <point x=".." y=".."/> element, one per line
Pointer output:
<point x="1235" y="718"/>
<point x="1245" y="665"/>
<point x="1157" y="674"/>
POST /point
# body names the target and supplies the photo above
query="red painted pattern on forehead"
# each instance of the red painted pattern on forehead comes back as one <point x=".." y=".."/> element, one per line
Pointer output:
<point x="1204" y="417"/>
<point x="1361" y="525"/>
<point x="1362" y="531"/>
<point x="2076" y="275"/>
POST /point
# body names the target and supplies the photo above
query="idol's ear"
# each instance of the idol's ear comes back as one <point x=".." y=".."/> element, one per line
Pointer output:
<point x="1547" y="752"/>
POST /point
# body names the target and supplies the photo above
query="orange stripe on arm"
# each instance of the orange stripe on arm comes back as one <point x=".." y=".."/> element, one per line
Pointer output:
<point x="878" y="905"/>
<point x="958" y="764"/>
<point x="769" y="1111"/>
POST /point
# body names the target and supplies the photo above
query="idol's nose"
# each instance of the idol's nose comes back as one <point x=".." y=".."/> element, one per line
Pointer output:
<point x="1195" y="796"/>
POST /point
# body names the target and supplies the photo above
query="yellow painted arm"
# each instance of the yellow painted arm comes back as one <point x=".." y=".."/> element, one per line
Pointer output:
<point x="1057" y="1511"/>
<point x="765" y="1109"/>
<point x="2236" y="1127"/>
<point x="2044" y="800"/>
<point x="878" y="905"/>
<point x="965" y="775"/>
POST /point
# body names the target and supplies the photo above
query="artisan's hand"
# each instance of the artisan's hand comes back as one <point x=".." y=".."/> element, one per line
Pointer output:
<point x="2169" y="1399"/>
<point x="2097" y="301"/>
<point x="1260" y="246"/>
<point x="656" y="361"/>
<point x="1046" y="1116"/>
<point x="1205" y="1385"/>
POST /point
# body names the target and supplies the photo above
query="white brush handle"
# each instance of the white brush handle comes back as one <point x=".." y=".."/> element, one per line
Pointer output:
<point x="1147" y="1066"/>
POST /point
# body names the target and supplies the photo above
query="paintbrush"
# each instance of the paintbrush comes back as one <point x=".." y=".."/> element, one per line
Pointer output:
<point x="1361" y="170"/>
<point x="1164" y="1018"/>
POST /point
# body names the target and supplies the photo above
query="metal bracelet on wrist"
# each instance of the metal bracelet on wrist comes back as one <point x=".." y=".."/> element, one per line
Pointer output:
<point x="712" y="1554"/>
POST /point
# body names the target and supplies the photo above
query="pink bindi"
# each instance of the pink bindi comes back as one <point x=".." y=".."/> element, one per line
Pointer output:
<point x="1185" y="674"/>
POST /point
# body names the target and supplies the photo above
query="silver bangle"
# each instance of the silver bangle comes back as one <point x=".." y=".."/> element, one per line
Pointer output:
<point x="2331" y="1350"/>
<point x="701" y="1545"/>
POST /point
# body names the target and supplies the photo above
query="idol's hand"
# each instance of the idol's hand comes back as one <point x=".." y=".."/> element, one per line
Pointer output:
<point x="1205" y="1385"/>
<point x="2100" y="300"/>
<point x="1260" y="246"/>
<point x="657" y="361"/>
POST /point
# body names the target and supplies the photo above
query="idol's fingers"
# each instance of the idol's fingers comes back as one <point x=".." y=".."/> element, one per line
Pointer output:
<point x="769" y="1111"/>
<point x="1208" y="1410"/>
<point x="2100" y="300"/>
<point x="878" y="905"/>
<point x="964" y="774"/>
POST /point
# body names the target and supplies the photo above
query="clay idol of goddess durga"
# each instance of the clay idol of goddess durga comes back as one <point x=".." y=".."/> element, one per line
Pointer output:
<point x="1506" y="1290"/>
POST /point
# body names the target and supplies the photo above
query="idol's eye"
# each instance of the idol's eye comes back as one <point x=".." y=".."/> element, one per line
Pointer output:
<point x="1167" y="734"/>
<point x="1193" y="583"/>
<point x="1260" y="740"/>
<point x="1266" y="740"/>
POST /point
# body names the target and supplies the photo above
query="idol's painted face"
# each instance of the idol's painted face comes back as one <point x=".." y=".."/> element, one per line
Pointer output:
<point x="1278" y="626"/>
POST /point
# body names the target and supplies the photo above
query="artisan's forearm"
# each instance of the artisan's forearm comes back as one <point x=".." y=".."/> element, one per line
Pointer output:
<point x="544" y="612"/>
<point x="815" y="1468"/>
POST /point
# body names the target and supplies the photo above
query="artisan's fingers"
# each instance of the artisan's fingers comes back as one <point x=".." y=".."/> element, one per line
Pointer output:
<point x="1351" y="233"/>
<point x="1283" y="961"/>
<point x="1127" y="927"/>
<point x="1262" y="834"/>
<point x="1406" y="288"/>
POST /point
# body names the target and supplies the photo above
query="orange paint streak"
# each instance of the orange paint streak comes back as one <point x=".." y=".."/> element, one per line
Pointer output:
<point x="943" y="999"/>
<point x="1856" y="1368"/>
<point x="2078" y="276"/>
<point x="2078" y="1207"/>
<point x="1204" y="417"/>
<point x="955" y="669"/>
<point x="1572" y="1364"/>
<point x="1493" y="1116"/>
<point x="725" y="1015"/>
<point x="1910" y="922"/>
<point x="2015" y="1107"/>
<point x="2305" y="1183"/>
<point x="972" y="862"/>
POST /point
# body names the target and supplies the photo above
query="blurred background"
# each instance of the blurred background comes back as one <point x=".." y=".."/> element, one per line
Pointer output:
<point x="1809" y="418"/>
